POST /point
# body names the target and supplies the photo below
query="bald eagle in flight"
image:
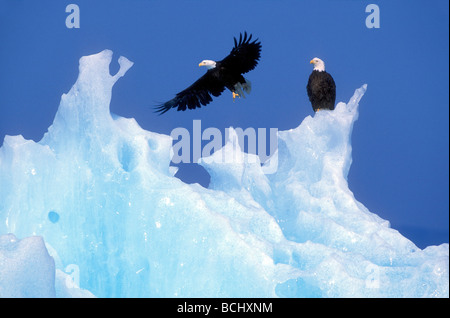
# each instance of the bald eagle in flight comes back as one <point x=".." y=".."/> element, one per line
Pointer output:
<point x="226" y="73"/>
<point x="321" y="87"/>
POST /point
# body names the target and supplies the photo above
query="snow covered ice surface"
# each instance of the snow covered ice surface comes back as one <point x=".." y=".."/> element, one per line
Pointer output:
<point x="97" y="189"/>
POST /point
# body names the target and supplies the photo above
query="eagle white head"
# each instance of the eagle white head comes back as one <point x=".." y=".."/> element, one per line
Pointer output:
<point x="208" y="63"/>
<point x="319" y="65"/>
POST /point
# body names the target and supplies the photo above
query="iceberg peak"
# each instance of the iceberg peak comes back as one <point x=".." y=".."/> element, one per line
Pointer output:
<point x="94" y="69"/>
<point x="85" y="109"/>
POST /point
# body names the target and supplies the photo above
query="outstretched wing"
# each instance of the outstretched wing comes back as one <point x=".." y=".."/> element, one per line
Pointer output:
<point x="196" y="95"/>
<point x="244" y="56"/>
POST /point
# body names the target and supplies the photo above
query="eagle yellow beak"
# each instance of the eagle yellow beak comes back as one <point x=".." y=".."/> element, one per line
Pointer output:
<point x="311" y="62"/>
<point x="201" y="64"/>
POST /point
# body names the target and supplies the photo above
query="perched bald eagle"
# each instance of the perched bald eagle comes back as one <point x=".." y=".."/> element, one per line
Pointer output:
<point x="226" y="73"/>
<point x="321" y="87"/>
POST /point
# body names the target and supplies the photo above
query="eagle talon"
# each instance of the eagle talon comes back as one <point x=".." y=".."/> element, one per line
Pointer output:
<point x="235" y="95"/>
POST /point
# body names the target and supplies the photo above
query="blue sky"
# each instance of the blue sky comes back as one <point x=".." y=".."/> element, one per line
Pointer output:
<point x="400" y="142"/>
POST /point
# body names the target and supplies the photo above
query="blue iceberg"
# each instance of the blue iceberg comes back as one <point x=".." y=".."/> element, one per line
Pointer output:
<point x="99" y="213"/>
